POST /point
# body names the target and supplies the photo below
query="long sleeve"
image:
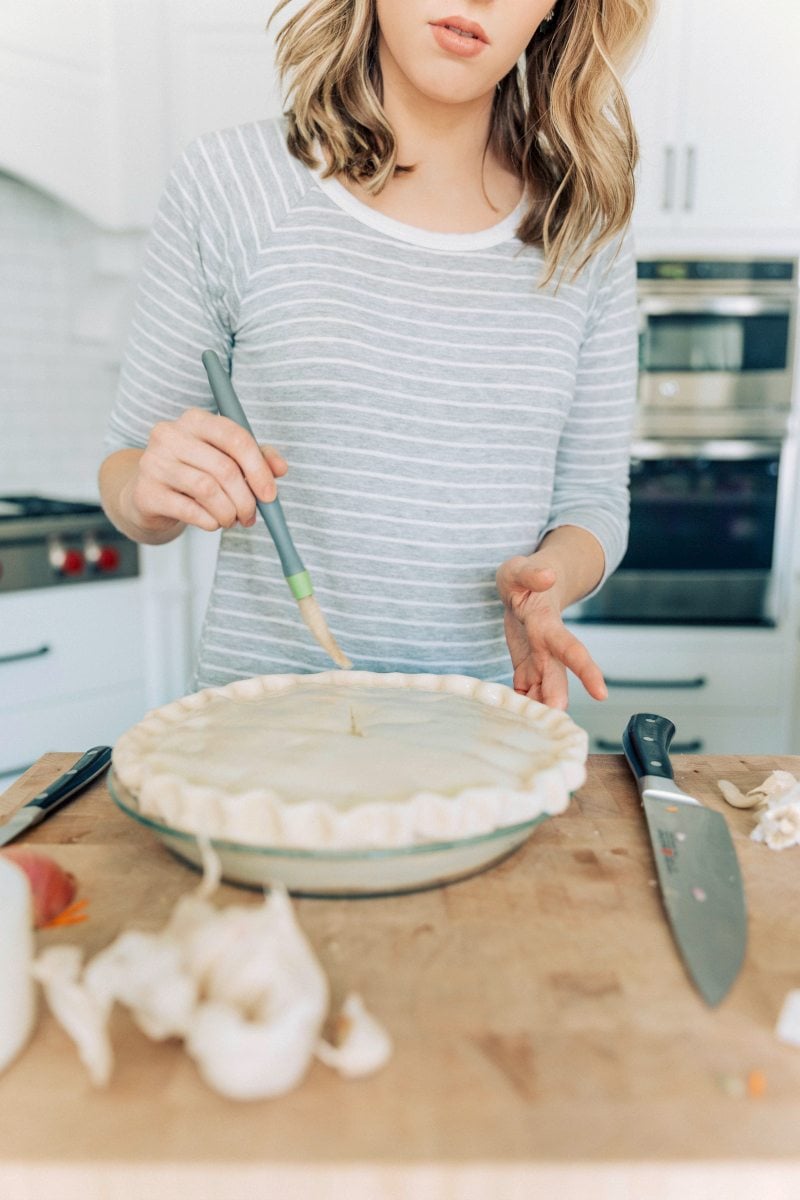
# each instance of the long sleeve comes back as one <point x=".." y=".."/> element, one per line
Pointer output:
<point x="186" y="302"/>
<point x="593" y="458"/>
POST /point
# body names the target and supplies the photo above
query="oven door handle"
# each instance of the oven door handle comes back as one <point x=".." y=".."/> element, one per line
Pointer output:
<point x="21" y="655"/>
<point x="698" y="682"/>
<point x="712" y="449"/>
<point x="720" y="306"/>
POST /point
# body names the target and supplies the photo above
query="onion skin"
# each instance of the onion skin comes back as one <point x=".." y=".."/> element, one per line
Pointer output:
<point x="52" y="888"/>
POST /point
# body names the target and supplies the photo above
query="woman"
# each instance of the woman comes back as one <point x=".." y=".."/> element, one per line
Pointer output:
<point x="421" y="283"/>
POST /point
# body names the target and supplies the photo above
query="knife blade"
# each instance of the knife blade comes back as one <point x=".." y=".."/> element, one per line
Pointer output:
<point x="698" y="872"/>
<point x="68" y="785"/>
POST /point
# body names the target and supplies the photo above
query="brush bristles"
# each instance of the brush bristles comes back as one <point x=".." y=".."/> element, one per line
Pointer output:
<point x="311" y="613"/>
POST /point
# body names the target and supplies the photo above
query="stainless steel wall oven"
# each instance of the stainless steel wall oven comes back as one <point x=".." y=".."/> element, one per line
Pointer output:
<point x="713" y="465"/>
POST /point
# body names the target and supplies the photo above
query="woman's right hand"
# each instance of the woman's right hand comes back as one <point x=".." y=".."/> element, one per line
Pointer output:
<point x="203" y="470"/>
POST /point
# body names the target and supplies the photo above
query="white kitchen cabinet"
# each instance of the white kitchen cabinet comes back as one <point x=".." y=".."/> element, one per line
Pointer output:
<point x="717" y="109"/>
<point x="84" y="82"/>
<point x="105" y="93"/>
<point x="727" y="691"/>
<point x="72" y="669"/>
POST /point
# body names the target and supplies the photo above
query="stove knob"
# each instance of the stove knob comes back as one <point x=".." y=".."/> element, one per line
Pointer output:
<point x="74" y="563"/>
<point x="101" y="558"/>
<point x="66" y="561"/>
<point x="107" y="559"/>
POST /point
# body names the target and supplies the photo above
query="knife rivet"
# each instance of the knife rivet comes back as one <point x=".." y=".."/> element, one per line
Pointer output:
<point x="655" y="762"/>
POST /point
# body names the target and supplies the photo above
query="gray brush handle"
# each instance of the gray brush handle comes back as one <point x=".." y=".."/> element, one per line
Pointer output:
<point x="229" y="406"/>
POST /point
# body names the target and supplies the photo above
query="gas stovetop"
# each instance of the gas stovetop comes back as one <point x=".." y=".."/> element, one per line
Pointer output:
<point x="43" y="506"/>
<point x="45" y="542"/>
<point x="13" y="508"/>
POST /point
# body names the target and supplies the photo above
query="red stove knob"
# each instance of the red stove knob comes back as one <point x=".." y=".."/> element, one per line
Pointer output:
<point x="100" y="556"/>
<point x="107" y="559"/>
<point x="73" y="563"/>
<point x="66" y="560"/>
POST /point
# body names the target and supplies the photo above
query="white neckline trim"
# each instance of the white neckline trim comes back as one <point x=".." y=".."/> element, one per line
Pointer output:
<point x="430" y="239"/>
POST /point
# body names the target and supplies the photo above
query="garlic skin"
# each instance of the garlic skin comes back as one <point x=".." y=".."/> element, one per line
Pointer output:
<point x="778" y="799"/>
<point x="146" y="973"/>
<point x="737" y="798"/>
<point x="82" y="1015"/>
<point x="241" y="986"/>
<point x="365" y="1046"/>
<point x="267" y="997"/>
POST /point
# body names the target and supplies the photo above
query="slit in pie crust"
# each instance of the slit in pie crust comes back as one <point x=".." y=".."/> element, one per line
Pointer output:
<point x="351" y="760"/>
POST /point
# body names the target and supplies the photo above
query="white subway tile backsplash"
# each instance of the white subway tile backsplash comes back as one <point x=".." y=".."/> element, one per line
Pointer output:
<point x="64" y="303"/>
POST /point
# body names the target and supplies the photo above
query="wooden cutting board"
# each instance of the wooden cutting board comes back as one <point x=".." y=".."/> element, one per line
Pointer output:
<point x="546" y="1035"/>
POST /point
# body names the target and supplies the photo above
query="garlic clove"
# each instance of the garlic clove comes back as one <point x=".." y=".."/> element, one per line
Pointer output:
<point x="249" y="1059"/>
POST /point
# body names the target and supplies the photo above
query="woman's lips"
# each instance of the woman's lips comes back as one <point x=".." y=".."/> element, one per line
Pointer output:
<point x="459" y="36"/>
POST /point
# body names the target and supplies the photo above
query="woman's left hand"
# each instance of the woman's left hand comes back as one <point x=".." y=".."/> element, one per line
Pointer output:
<point x="542" y="648"/>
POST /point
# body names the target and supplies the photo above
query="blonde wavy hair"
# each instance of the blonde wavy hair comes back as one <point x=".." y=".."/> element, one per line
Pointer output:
<point x="560" y="118"/>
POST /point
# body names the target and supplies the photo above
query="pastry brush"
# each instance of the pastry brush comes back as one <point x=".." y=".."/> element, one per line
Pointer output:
<point x="296" y="575"/>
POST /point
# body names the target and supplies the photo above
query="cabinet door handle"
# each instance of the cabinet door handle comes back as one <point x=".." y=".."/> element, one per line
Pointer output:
<point x="688" y="197"/>
<point x="693" y="747"/>
<point x="668" y="194"/>
<point x="39" y="652"/>
<point x="699" y="682"/>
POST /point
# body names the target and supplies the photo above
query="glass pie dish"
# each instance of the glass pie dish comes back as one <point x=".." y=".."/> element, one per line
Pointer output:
<point x="338" y="873"/>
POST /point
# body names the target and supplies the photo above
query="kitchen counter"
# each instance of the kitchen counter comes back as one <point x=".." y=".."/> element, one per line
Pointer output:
<point x="547" y="1039"/>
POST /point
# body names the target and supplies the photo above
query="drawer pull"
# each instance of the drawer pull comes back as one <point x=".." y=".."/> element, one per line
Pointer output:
<point x="7" y="772"/>
<point x="699" y="682"/>
<point x="23" y="654"/>
<point x="606" y="747"/>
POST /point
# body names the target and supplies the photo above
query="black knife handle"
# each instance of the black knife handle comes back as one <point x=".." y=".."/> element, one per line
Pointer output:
<point x="88" y="767"/>
<point x="646" y="740"/>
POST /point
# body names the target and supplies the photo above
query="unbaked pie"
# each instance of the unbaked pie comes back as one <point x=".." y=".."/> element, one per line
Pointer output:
<point x="351" y="759"/>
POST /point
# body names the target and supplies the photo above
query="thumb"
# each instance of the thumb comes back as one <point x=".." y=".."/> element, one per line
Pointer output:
<point x="533" y="577"/>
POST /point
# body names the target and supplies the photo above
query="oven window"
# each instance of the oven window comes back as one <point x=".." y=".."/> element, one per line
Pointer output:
<point x="697" y="514"/>
<point x="707" y="342"/>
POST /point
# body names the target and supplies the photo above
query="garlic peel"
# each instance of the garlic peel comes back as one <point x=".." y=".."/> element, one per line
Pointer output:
<point x="83" y="1016"/>
<point x="241" y="986"/>
<point x="778" y="800"/>
<point x="365" y="1046"/>
<point x="737" y="798"/>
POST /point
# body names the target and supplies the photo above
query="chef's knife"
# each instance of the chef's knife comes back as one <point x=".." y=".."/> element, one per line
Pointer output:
<point x="701" y="884"/>
<point x="79" y="776"/>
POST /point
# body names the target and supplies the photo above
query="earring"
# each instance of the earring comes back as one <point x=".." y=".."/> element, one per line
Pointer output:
<point x="547" y="20"/>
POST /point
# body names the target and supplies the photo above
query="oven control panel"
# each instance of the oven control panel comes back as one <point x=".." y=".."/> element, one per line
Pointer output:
<point x="67" y="557"/>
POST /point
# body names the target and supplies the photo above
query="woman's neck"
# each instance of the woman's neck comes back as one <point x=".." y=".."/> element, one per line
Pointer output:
<point x="456" y="185"/>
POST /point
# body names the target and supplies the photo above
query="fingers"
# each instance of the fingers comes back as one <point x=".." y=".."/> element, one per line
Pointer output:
<point x="275" y="460"/>
<point x="205" y="470"/>
<point x="234" y="442"/>
<point x="542" y="651"/>
<point x="173" y="506"/>
<point x="574" y="655"/>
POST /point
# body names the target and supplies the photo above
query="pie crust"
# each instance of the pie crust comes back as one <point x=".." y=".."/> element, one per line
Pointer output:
<point x="351" y="760"/>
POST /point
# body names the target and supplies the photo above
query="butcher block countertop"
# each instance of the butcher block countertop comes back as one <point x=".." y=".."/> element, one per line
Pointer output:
<point x="547" y="1040"/>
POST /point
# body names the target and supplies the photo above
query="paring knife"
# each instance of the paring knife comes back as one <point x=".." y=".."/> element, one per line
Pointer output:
<point x="701" y="884"/>
<point x="87" y="768"/>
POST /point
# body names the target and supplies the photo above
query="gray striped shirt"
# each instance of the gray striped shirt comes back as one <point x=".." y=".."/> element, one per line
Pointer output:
<point x="438" y="412"/>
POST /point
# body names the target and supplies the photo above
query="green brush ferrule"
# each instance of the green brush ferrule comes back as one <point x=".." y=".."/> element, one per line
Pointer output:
<point x="300" y="585"/>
